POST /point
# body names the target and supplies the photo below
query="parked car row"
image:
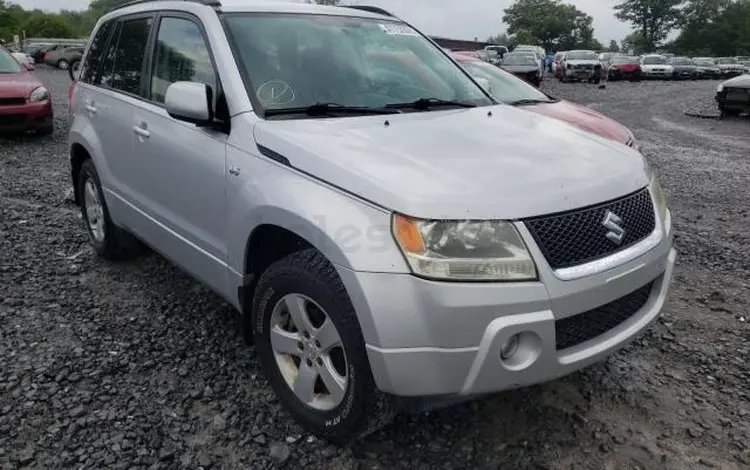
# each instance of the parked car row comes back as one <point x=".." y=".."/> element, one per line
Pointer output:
<point x="569" y="66"/>
<point x="504" y="247"/>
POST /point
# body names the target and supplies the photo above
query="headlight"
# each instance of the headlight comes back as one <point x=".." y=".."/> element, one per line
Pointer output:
<point x="490" y="250"/>
<point x="39" y="94"/>
<point x="720" y="88"/>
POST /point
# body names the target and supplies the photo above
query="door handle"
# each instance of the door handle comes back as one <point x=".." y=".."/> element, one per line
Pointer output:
<point x="89" y="106"/>
<point x="142" y="130"/>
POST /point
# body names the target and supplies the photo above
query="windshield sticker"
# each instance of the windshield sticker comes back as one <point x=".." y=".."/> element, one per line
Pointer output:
<point x="398" y="29"/>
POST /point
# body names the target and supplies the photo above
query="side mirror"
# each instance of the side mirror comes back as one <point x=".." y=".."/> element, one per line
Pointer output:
<point x="190" y="102"/>
<point x="484" y="83"/>
<point x="28" y="66"/>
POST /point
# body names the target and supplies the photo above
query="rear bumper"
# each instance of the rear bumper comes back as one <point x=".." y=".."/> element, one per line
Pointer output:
<point x="27" y="117"/>
<point x="428" y="338"/>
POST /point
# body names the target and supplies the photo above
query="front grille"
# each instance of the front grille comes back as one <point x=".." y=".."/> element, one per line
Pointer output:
<point x="586" y="326"/>
<point x="577" y="237"/>
<point x="12" y="101"/>
<point x="12" y="120"/>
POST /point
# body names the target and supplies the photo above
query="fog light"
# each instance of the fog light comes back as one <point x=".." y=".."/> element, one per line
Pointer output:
<point x="510" y="347"/>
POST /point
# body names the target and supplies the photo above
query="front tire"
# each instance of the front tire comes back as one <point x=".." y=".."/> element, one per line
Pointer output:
<point x="313" y="352"/>
<point x="109" y="241"/>
<point x="63" y="64"/>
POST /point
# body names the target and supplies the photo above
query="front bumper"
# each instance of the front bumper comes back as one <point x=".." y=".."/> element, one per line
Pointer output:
<point x="26" y="117"/>
<point x="427" y="338"/>
<point x="582" y="73"/>
<point x="737" y="99"/>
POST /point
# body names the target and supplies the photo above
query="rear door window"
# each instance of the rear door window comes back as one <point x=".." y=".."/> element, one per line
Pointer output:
<point x="124" y="61"/>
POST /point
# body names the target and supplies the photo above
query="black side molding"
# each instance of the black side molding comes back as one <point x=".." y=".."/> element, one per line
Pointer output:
<point x="275" y="156"/>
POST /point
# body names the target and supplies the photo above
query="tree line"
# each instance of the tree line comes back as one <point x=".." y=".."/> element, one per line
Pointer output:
<point x="702" y="27"/>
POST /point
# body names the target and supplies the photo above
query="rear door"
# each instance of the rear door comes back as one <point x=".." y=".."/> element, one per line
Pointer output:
<point x="181" y="167"/>
<point x="109" y="91"/>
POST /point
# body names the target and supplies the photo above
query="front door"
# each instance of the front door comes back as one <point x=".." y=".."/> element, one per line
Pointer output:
<point x="181" y="167"/>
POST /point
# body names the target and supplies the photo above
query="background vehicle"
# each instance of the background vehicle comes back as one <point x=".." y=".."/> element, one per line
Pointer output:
<point x="729" y="67"/>
<point x="62" y="58"/>
<point x="733" y="96"/>
<point x="622" y="67"/>
<point x="507" y="88"/>
<point x="523" y="65"/>
<point x="24" y="59"/>
<point x="500" y="50"/>
<point x="25" y="104"/>
<point x="541" y="54"/>
<point x="556" y="67"/>
<point x="581" y="65"/>
<point x="707" y="68"/>
<point x="656" y="66"/>
<point x="683" y="68"/>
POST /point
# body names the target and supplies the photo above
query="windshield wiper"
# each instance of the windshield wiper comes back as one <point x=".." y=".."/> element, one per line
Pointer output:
<point x="528" y="101"/>
<point x="323" y="109"/>
<point x="423" y="104"/>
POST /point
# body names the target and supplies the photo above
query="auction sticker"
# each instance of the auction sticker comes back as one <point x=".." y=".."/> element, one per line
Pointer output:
<point x="398" y="29"/>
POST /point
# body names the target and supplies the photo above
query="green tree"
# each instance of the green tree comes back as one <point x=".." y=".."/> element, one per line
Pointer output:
<point x="41" y="24"/>
<point x="550" y="23"/>
<point x="613" y="46"/>
<point x="635" y="42"/>
<point x="501" y="39"/>
<point x="715" y="28"/>
<point x="655" y="19"/>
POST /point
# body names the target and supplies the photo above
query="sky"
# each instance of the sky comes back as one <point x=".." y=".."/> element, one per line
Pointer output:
<point x="459" y="19"/>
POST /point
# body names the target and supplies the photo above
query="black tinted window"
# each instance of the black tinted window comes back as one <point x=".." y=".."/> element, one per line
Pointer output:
<point x="96" y="52"/>
<point x="181" y="55"/>
<point x="124" y="60"/>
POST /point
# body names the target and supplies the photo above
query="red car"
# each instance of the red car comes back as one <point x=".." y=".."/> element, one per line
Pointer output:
<point x="25" y="104"/>
<point x="624" y="68"/>
<point x="514" y="91"/>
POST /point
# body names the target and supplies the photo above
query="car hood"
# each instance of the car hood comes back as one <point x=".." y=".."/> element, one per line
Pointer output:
<point x="729" y="66"/>
<point x="17" y="84"/>
<point x="582" y="62"/>
<point x="684" y="67"/>
<point x="584" y="118"/>
<point x="743" y="81"/>
<point x="625" y="67"/>
<point x="520" y="68"/>
<point x="656" y="66"/>
<point x="495" y="162"/>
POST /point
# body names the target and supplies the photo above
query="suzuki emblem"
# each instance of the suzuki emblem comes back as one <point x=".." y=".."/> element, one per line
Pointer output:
<point x="614" y="224"/>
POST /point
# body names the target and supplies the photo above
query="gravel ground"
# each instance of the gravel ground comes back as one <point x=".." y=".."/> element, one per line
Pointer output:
<point x="135" y="365"/>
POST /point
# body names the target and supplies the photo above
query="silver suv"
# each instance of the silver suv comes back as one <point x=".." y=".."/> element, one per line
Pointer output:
<point x="390" y="234"/>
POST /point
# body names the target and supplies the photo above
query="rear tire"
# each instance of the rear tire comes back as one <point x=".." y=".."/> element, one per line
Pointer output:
<point x="360" y="408"/>
<point x="109" y="241"/>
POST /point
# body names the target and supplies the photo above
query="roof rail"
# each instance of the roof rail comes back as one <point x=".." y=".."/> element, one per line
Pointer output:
<point x="210" y="3"/>
<point x="371" y="9"/>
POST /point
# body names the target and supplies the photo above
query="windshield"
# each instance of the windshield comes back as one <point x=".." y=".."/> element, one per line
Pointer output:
<point x="726" y="61"/>
<point x="8" y="64"/>
<point x="505" y="87"/>
<point x="654" y="60"/>
<point x="682" y="62"/>
<point x="582" y="55"/>
<point x="520" y="59"/>
<point x="624" y="60"/>
<point x="295" y="61"/>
